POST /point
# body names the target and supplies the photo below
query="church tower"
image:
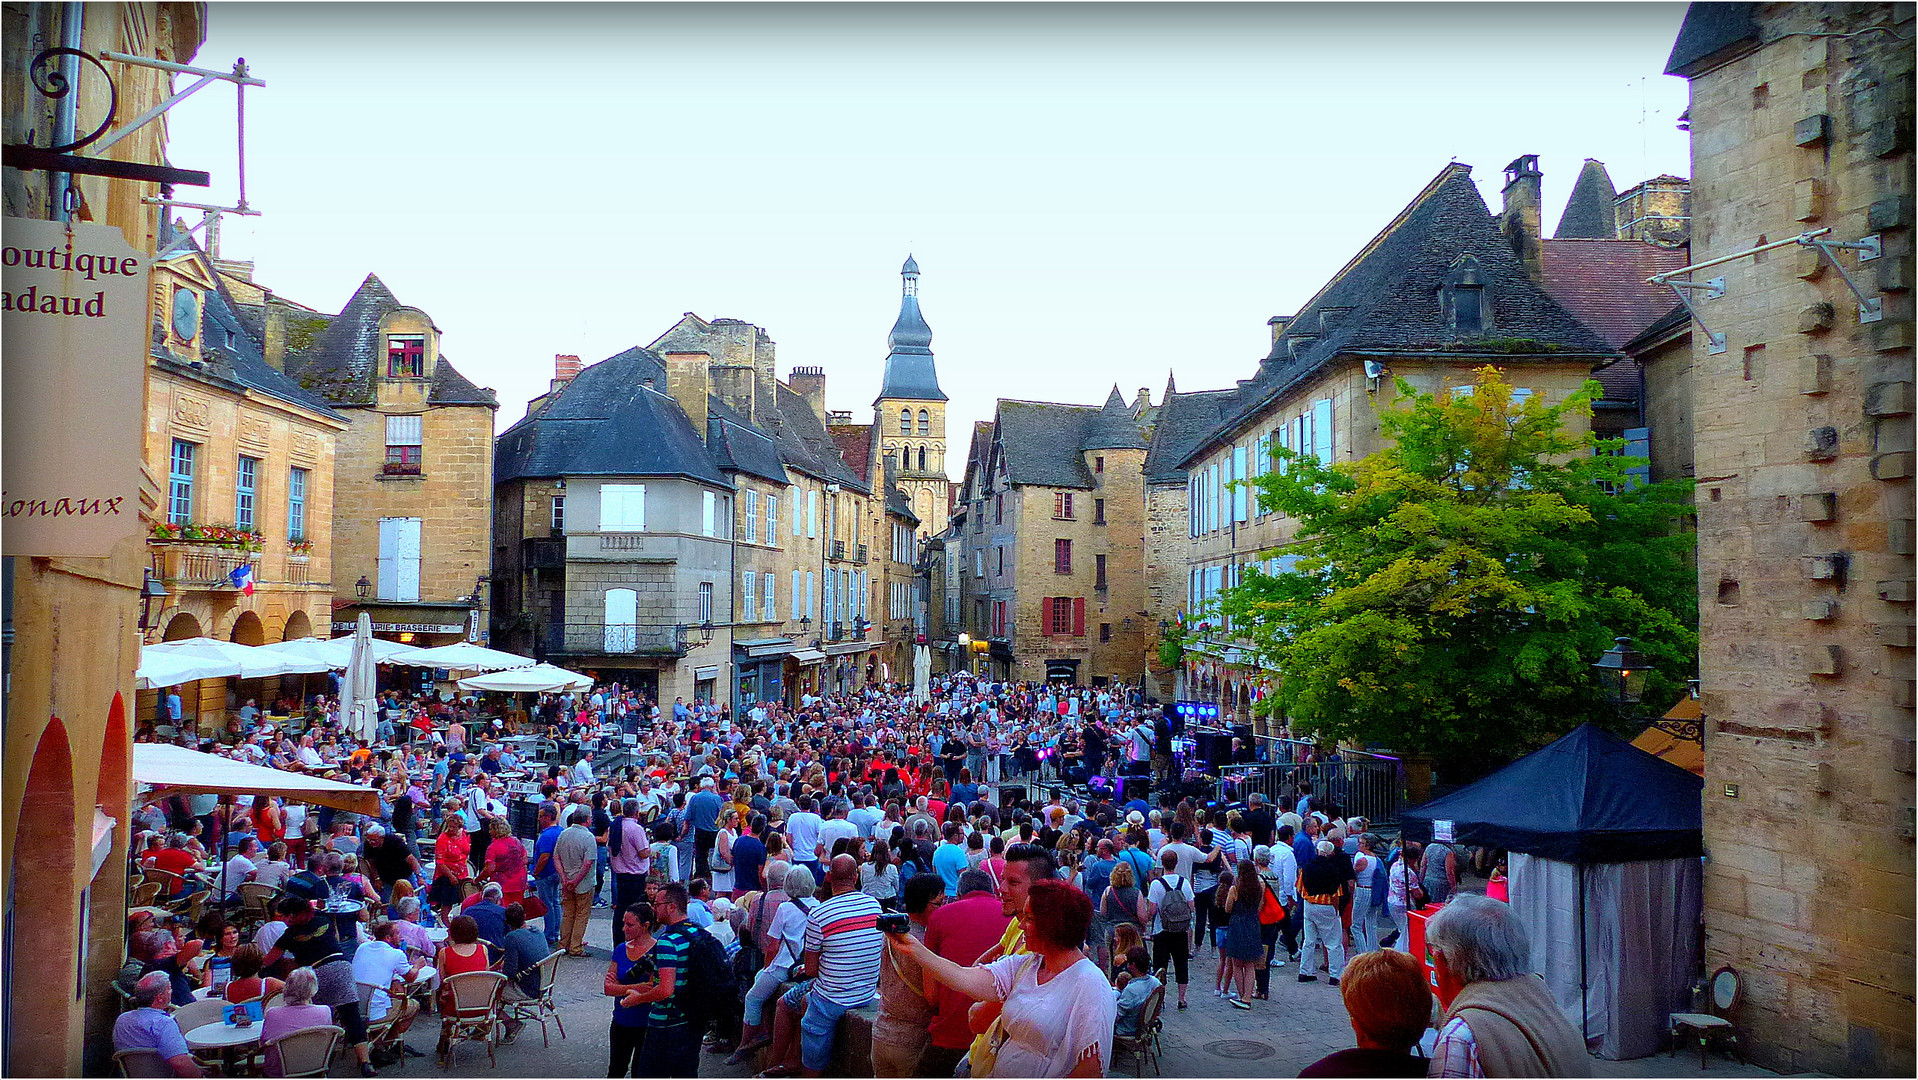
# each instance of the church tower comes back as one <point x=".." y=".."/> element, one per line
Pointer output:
<point x="910" y="412"/>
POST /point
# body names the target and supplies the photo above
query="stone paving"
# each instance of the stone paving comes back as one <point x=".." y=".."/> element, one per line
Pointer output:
<point x="1299" y="1025"/>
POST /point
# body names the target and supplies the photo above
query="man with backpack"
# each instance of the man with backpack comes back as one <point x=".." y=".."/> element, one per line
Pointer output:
<point x="671" y="1043"/>
<point x="1171" y="901"/>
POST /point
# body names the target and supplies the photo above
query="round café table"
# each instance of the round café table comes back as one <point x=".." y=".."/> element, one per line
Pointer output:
<point x="220" y="1035"/>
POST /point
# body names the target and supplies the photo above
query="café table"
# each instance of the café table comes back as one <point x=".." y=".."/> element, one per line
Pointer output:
<point x="230" y="1041"/>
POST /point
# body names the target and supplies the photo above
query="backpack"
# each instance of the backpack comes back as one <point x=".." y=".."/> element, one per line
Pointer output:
<point x="711" y="986"/>
<point x="1176" y="912"/>
<point x="750" y="957"/>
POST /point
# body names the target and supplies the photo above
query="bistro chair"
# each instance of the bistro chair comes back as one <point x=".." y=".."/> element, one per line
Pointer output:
<point x="1145" y="1045"/>
<point x="541" y="1005"/>
<point x="256" y="902"/>
<point x="144" y="894"/>
<point x="474" y="1013"/>
<point x="141" y="1063"/>
<point x="308" y="1051"/>
<point x="191" y="906"/>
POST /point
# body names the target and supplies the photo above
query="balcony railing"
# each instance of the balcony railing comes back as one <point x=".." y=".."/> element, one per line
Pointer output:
<point x="614" y="639"/>
<point x="190" y="564"/>
<point x="838" y="551"/>
<point x="622" y="541"/>
<point x="296" y="569"/>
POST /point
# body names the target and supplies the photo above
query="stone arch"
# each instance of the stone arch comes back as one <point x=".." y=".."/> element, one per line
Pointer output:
<point x="247" y="629"/>
<point x="40" y="881"/>
<point x="298" y="625"/>
<point x="106" y="895"/>
<point x="181" y="627"/>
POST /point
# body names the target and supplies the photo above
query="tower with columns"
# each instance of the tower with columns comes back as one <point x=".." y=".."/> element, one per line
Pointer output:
<point x="910" y="411"/>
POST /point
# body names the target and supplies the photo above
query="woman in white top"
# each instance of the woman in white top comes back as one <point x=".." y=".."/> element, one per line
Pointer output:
<point x="722" y="854"/>
<point x="878" y="877"/>
<point x="1058" y="1009"/>
<point x="788" y="934"/>
<point x="1363" y="864"/>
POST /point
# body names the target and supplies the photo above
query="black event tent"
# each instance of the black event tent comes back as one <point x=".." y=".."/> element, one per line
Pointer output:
<point x="1605" y="841"/>
<point x="1590" y="797"/>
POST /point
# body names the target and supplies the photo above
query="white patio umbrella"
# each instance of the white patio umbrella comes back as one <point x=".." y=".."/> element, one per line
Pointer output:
<point x="358" y="689"/>
<point x="159" y="668"/>
<point x="921" y="673"/>
<point x="245" y="661"/>
<point x="338" y="652"/>
<point x="466" y="656"/>
<point x="384" y="651"/>
<point x="538" y="679"/>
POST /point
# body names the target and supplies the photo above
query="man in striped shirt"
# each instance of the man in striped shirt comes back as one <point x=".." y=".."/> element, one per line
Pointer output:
<point x="843" y="949"/>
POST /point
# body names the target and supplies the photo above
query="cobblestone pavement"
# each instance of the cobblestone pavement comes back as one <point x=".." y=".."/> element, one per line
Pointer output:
<point x="1300" y="1024"/>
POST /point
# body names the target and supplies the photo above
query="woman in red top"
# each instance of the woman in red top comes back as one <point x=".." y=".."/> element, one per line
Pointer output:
<point x="463" y="952"/>
<point x="267" y="821"/>
<point x="449" y="865"/>
<point x="505" y="862"/>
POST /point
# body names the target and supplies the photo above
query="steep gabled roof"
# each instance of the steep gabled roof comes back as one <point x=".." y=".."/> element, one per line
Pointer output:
<point x="1712" y="34"/>
<point x="1115" y="428"/>
<point x="738" y="446"/>
<point x="1603" y="283"/>
<point x="804" y="443"/>
<point x="1184" y="422"/>
<point x="342" y="360"/>
<point x="606" y="422"/>
<point x="855" y="446"/>
<point x="1588" y="213"/>
<point x="1385" y="301"/>
<point x="1040" y="442"/>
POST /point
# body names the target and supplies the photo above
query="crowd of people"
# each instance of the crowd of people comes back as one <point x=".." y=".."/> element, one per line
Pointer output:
<point x="772" y="871"/>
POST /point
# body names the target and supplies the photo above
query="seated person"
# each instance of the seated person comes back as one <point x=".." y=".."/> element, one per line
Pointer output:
<point x="247" y="983"/>
<point x="524" y="947"/>
<point x="1134" y="986"/>
<point x="296" y="1012"/>
<point x="1390" y="1004"/>
<point x="148" y="1026"/>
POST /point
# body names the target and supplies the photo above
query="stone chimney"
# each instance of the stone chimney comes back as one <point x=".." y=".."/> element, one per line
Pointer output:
<point x="810" y="383"/>
<point x="733" y="384"/>
<point x="1520" y="219"/>
<point x="689" y="379"/>
<point x="564" y="368"/>
<point x="1278" y="323"/>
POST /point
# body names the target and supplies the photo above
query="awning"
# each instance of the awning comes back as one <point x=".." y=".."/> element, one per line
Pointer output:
<point x="538" y="679"/>
<point x="161" y="769"/>
<point x="466" y="656"/>
<point x="161" y="668"/>
<point x="849" y="647"/>
<point x="244" y="661"/>
<point x="102" y="839"/>
<point x="710" y="672"/>
<point x="770" y="647"/>
<point x="1062" y="669"/>
<point x="337" y="652"/>
<point x="809" y="656"/>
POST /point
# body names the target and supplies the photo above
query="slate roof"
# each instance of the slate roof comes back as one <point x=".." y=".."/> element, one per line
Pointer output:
<point x="897" y="503"/>
<point x="804" y="443"/>
<point x="1040" y="442"/>
<point x="737" y="445"/>
<point x="1711" y="34"/>
<point x="1603" y="283"/>
<point x="910" y="372"/>
<point x="1184" y="422"/>
<point x="230" y="352"/>
<point x="1673" y="321"/>
<point x="855" y="447"/>
<point x="1115" y="428"/>
<point x="341" y="362"/>
<point x="1588" y="213"/>
<point x="605" y="422"/>
<point x="1385" y="301"/>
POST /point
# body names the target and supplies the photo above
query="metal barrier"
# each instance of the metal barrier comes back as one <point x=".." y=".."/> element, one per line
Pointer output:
<point x="1371" y="787"/>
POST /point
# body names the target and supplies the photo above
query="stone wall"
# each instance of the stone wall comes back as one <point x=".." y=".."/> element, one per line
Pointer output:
<point x="1804" y="463"/>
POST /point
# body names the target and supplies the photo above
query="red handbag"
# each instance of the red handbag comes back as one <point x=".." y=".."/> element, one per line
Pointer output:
<point x="1270" y="910"/>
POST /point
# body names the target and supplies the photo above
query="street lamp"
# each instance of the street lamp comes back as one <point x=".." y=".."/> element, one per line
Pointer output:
<point x="150" y="590"/>
<point x="1621" y="675"/>
<point x="363" y="588"/>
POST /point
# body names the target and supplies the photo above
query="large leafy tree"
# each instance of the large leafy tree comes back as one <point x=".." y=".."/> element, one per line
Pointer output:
<point x="1448" y="595"/>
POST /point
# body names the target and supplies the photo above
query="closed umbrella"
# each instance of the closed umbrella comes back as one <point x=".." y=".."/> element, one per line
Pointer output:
<point x="921" y="673"/>
<point x="357" y="689"/>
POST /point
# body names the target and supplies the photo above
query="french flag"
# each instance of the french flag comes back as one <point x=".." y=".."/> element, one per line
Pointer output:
<point x="242" y="579"/>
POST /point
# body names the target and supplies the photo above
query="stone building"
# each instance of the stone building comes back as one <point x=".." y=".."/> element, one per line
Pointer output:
<point x="68" y="773"/>
<point x="248" y="457"/>
<point x="909" y="415"/>
<point x="1184" y="421"/>
<point x="1053" y="540"/>
<point x="408" y="548"/>
<point x="1445" y="288"/>
<point x="1801" y="122"/>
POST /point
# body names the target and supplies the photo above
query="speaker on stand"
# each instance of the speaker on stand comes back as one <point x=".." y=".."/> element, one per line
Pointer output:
<point x="1136" y="787"/>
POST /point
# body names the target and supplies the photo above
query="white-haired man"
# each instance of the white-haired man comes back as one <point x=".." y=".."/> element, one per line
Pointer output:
<point x="148" y="1026"/>
<point x="1500" y="1019"/>
<point x="1326" y="887"/>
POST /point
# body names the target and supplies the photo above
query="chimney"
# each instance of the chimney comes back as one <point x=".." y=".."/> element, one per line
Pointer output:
<point x="1278" y="323"/>
<point x="689" y="380"/>
<point x="565" y="367"/>
<point x="733" y="384"/>
<point x="1519" y="220"/>
<point x="1143" y="400"/>
<point x="273" y="349"/>
<point x="810" y="383"/>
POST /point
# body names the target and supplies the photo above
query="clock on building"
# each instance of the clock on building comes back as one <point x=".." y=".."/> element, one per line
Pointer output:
<point x="186" y="314"/>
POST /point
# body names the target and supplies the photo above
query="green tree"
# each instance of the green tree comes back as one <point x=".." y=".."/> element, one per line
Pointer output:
<point x="1448" y="595"/>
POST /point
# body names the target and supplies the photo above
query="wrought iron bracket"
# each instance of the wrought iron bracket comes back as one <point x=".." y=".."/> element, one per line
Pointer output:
<point x="1713" y="289"/>
<point x="1870" y="308"/>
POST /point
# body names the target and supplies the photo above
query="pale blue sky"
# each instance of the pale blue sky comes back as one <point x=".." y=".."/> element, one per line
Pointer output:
<point x="1095" y="193"/>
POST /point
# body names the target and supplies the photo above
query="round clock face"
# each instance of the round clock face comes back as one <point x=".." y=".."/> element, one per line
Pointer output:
<point x="186" y="313"/>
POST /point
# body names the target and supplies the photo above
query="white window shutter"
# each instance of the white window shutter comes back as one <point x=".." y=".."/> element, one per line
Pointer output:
<point x="1322" y="430"/>
<point x="407" y="560"/>
<point x="708" y="504"/>
<point x="389" y="571"/>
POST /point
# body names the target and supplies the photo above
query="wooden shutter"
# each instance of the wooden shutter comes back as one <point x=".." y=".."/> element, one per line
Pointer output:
<point x="1045" y="610"/>
<point x="1078" y="616"/>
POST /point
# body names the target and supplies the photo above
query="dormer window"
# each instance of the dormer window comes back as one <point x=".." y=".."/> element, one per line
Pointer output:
<point x="406" y="356"/>
<point x="1463" y="300"/>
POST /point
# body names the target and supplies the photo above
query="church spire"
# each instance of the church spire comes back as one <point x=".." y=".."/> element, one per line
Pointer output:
<point x="910" y="373"/>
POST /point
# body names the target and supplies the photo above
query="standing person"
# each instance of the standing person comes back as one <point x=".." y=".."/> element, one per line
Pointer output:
<point x="724" y="881"/>
<point x="702" y="815"/>
<point x="1404" y="892"/>
<point x="1440" y="878"/>
<point x="630" y="857"/>
<point x="1326" y="887"/>
<point x="670" y="1047"/>
<point x="749" y="857"/>
<point x="630" y="969"/>
<point x="802" y="830"/>
<point x="1057" y="1011"/>
<point x="1244" y="946"/>
<point x="1363" y="865"/>
<point x="546" y="873"/>
<point x="1500" y="1019"/>
<point x="505" y="862"/>
<point x="1262" y="859"/>
<point x="950" y="857"/>
<point x="577" y="853"/>
<point x="906" y="996"/>
<point x="962" y="931"/>
<point x="1171" y="901"/>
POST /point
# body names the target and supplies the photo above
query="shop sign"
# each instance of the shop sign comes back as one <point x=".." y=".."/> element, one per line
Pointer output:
<point x="75" y="345"/>
<point x="402" y="627"/>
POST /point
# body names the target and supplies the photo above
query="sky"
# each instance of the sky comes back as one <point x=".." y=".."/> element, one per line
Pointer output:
<point x="1096" y="194"/>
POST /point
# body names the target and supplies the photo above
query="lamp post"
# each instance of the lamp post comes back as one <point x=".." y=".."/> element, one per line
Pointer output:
<point x="363" y="588"/>
<point x="1621" y="677"/>
<point x="150" y="590"/>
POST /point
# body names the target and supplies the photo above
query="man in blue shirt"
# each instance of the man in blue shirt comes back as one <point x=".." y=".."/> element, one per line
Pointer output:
<point x="950" y="859"/>
<point x="546" y="872"/>
<point x="490" y="914"/>
<point x="150" y="1027"/>
<point x="702" y="813"/>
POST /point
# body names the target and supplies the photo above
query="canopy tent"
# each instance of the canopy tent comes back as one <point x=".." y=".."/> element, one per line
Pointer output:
<point x="466" y="656"/>
<point x="1604" y="874"/>
<point x="160" y="769"/>
<point x="161" y="668"/>
<point x="336" y="653"/>
<point x="540" y="678"/>
<point x="244" y="661"/>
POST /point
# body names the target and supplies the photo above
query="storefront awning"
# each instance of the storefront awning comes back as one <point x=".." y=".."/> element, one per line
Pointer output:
<point x="160" y="769"/>
<point x="711" y="672"/>
<point x="766" y="649"/>
<point x="848" y="647"/>
<point x="809" y="656"/>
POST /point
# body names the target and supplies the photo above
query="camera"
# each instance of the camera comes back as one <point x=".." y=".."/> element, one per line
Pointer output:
<point x="894" y="922"/>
